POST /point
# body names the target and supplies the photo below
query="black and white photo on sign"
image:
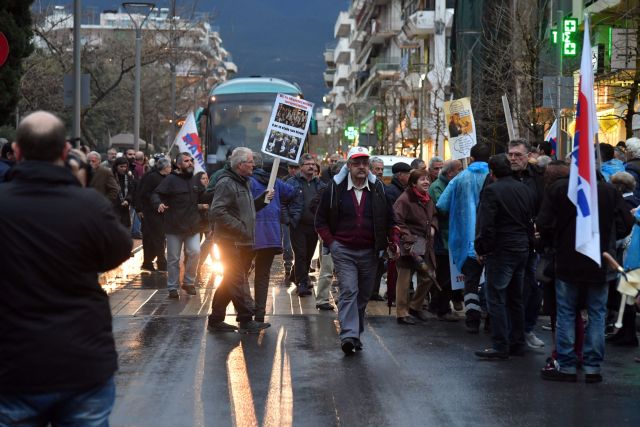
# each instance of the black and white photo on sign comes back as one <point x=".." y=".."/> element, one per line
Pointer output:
<point x="288" y="127"/>
<point x="282" y="145"/>
<point x="291" y="116"/>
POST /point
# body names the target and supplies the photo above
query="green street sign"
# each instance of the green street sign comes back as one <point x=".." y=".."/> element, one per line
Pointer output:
<point x="569" y="31"/>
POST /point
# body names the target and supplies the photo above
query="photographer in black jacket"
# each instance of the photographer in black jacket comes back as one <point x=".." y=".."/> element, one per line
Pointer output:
<point x="56" y="341"/>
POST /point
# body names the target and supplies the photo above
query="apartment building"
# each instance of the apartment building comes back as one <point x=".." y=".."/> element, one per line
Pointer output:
<point x="388" y="72"/>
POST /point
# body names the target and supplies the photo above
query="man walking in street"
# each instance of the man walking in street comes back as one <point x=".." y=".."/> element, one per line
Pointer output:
<point x="233" y="218"/>
<point x="579" y="280"/>
<point x="503" y="235"/>
<point x="179" y="199"/>
<point x="290" y="211"/>
<point x="440" y="301"/>
<point x="304" y="238"/>
<point x="353" y="219"/>
<point x="377" y="168"/>
<point x="153" y="237"/>
<point x="532" y="177"/>
<point x="460" y="200"/>
<point x="57" y="352"/>
<point x="102" y="179"/>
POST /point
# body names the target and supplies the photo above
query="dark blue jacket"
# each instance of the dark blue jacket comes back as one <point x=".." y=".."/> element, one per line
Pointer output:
<point x="268" y="233"/>
<point x="295" y="211"/>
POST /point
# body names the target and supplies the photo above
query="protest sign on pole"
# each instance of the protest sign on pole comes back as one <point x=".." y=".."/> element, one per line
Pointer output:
<point x="287" y="131"/>
<point x="461" y="127"/>
<point x="188" y="141"/>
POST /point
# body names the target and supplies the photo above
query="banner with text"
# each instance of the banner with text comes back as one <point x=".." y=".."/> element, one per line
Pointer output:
<point x="288" y="128"/>
<point x="461" y="126"/>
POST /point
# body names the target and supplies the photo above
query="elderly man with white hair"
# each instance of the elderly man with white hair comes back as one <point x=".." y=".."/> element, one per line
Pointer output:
<point x="102" y="179"/>
<point x="233" y="218"/>
<point x="633" y="162"/>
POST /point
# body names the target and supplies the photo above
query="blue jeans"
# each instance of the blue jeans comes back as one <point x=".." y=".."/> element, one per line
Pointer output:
<point x="72" y="408"/>
<point x="136" y="228"/>
<point x="505" y="275"/>
<point x="191" y="254"/>
<point x="567" y="297"/>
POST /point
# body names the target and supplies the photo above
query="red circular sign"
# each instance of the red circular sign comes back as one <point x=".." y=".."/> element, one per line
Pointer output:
<point x="4" y="49"/>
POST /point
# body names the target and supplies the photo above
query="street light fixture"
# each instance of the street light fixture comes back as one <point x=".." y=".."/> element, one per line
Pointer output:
<point x="138" y="12"/>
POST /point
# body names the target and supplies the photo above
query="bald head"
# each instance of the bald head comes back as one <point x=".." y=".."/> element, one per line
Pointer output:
<point x="41" y="136"/>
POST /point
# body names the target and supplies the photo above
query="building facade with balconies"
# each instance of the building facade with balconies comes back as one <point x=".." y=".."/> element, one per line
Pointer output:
<point x="396" y="74"/>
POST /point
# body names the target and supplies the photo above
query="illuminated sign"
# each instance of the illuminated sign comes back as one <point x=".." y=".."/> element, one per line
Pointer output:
<point x="569" y="45"/>
<point x="351" y="132"/>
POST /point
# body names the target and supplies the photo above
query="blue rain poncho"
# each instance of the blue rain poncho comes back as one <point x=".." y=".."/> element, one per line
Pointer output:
<point x="632" y="253"/>
<point x="460" y="199"/>
<point x="611" y="167"/>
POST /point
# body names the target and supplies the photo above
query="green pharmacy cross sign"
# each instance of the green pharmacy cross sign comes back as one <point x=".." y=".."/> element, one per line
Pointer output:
<point x="569" y="45"/>
<point x="351" y="132"/>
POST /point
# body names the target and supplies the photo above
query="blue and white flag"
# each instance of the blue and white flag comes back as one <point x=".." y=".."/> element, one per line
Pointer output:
<point x="583" y="187"/>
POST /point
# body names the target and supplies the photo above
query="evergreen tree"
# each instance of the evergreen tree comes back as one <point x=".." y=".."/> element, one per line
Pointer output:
<point x="15" y="23"/>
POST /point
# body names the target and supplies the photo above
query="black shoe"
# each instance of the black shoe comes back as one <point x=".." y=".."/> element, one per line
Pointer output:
<point x="348" y="346"/>
<point x="448" y="317"/>
<point x="517" y="351"/>
<point x="407" y="320"/>
<point x="376" y="297"/>
<point x="221" y="327"/>
<point x="359" y="346"/>
<point x="472" y="327"/>
<point x="252" y="327"/>
<point x="324" y="306"/>
<point x="303" y="292"/>
<point x="592" y="378"/>
<point x="147" y="267"/>
<point x="189" y="289"/>
<point x="422" y="315"/>
<point x="491" y="354"/>
<point x="173" y="294"/>
<point x="551" y="372"/>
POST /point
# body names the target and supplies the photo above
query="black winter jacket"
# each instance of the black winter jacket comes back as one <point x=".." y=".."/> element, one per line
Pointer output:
<point x="394" y="190"/>
<point x="146" y="187"/>
<point x="504" y="217"/>
<point x="55" y="320"/>
<point x="182" y="194"/>
<point x="557" y="226"/>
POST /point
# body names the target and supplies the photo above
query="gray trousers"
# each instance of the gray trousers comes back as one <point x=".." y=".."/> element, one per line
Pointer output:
<point x="325" y="279"/>
<point x="356" y="270"/>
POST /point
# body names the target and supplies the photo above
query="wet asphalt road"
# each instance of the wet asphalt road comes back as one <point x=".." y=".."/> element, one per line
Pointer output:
<point x="174" y="373"/>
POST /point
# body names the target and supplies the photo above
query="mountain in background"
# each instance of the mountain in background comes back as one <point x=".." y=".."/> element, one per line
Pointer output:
<point x="275" y="38"/>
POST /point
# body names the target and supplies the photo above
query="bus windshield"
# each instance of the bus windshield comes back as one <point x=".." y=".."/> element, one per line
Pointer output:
<point x="238" y="120"/>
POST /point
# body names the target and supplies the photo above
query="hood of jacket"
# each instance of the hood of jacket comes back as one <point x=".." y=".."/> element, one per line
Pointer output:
<point x="342" y="175"/>
<point x="261" y="176"/>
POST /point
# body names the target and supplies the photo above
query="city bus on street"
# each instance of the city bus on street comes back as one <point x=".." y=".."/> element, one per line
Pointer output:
<point x="238" y="113"/>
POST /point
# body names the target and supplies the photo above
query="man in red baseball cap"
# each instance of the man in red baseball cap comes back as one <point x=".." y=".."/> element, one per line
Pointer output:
<point x="353" y="219"/>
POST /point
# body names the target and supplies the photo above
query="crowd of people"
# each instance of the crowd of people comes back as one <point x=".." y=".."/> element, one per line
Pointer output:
<point x="505" y="220"/>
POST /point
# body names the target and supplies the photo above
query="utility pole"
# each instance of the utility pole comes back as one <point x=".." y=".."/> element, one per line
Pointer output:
<point x="560" y="24"/>
<point x="172" y="69"/>
<point x="77" y="70"/>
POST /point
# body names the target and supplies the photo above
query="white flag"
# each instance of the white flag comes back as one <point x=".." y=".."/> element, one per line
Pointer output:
<point x="188" y="141"/>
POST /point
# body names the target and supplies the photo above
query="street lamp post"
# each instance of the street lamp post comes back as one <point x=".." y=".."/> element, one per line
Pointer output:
<point x="136" y="11"/>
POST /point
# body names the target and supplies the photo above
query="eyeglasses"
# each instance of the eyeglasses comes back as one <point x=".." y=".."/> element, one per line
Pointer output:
<point x="360" y="162"/>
